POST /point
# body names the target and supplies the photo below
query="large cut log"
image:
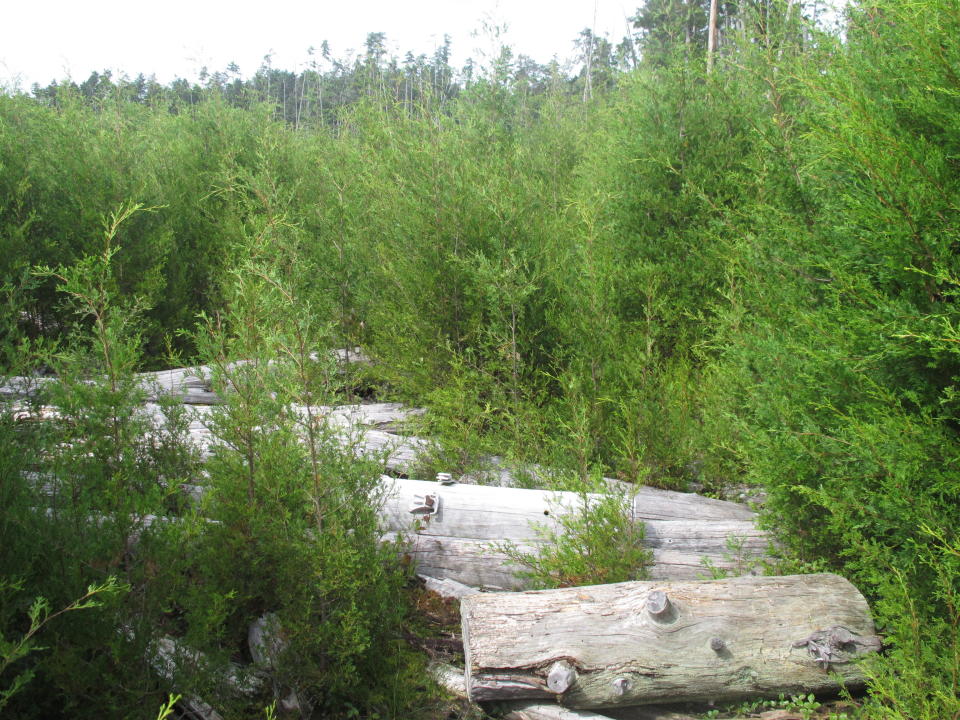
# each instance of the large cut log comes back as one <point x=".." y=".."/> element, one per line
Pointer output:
<point x="650" y="642"/>
<point x="453" y="531"/>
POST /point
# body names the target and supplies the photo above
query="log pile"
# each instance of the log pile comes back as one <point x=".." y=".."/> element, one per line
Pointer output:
<point x="454" y="539"/>
<point x="561" y="654"/>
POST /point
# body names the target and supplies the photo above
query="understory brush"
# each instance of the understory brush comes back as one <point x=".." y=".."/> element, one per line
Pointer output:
<point x="595" y="541"/>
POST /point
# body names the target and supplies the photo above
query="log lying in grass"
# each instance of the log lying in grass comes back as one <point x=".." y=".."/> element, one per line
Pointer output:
<point x="649" y="642"/>
<point x="480" y="511"/>
<point x="452" y="530"/>
<point x="447" y="588"/>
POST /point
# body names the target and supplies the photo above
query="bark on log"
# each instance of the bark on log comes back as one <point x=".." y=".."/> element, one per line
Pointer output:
<point x="649" y="642"/>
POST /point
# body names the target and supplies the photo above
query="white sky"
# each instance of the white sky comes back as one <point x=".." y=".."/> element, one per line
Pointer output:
<point x="43" y="40"/>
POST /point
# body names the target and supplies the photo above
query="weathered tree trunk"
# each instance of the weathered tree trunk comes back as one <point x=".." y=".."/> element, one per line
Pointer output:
<point x="650" y="642"/>
<point x="453" y="530"/>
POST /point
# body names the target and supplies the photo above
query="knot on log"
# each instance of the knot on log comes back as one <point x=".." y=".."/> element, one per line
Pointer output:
<point x="660" y="607"/>
<point x="836" y="644"/>
<point x="560" y="677"/>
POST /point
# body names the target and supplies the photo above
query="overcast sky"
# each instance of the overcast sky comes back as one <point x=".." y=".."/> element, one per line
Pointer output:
<point x="42" y="40"/>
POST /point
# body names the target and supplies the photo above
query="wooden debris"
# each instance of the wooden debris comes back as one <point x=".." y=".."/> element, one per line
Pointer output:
<point x="453" y="530"/>
<point x="649" y="642"/>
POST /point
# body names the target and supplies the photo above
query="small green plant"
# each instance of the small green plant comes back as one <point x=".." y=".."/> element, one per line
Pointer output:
<point x="804" y="705"/>
<point x="736" y="559"/>
<point x="594" y="543"/>
<point x="168" y="708"/>
<point x="39" y="615"/>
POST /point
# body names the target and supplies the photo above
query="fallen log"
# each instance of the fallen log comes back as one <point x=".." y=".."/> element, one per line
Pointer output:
<point x="454" y="531"/>
<point x="649" y="642"/>
<point x="480" y="564"/>
<point x="399" y="453"/>
<point x="481" y="511"/>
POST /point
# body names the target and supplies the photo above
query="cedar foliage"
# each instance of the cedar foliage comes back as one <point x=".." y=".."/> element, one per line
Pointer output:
<point x="747" y="275"/>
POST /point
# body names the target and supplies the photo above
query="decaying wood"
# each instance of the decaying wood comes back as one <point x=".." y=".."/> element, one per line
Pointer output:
<point x="454" y="531"/>
<point x="659" y="642"/>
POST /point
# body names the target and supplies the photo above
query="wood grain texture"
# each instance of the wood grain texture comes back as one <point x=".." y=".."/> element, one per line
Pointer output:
<point x="623" y="655"/>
